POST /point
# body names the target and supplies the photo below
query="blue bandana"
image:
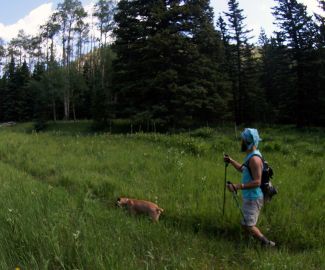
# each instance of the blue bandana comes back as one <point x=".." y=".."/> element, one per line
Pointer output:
<point x="251" y="137"/>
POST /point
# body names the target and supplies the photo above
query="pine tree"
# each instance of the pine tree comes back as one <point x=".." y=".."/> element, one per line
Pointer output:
<point x="276" y="79"/>
<point x="247" y="97"/>
<point x="2" y="78"/>
<point x="169" y="53"/>
<point x="3" y="82"/>
<point x="298" y="30"/>
<point x="24" y="98"/>
<point x="254" y="102"/>
<point x="10" y="93"/>
<point x="209" y="74"/>
<point x="40" y="104"/>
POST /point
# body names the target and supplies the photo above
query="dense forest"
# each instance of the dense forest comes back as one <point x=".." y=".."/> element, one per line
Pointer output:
<point x="171" y="62"/>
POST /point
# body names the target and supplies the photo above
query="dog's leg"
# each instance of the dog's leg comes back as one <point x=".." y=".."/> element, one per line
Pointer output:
<point x="154" y="218"/>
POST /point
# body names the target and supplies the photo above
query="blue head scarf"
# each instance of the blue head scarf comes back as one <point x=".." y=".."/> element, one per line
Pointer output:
<point x="251" y="137"/>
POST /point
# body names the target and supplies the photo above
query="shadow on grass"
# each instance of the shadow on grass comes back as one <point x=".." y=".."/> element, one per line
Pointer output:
<point x="229" y="232"/>
<point x="206" y="226"/>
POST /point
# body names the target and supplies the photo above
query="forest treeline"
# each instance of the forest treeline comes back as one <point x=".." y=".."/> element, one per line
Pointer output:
<point x="170" y="62"/>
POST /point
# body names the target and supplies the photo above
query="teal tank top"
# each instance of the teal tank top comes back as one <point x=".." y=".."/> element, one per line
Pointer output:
<point x="253" y="193"/>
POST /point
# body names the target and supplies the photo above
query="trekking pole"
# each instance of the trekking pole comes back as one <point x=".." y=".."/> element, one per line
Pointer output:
<point x="234" y="195"/>
<point x="225" y="185"/>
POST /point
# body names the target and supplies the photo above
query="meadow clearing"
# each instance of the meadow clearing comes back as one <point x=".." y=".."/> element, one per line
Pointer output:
<point x="58" y="190"/>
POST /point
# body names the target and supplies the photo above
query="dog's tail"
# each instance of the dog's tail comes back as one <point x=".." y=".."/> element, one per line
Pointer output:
<point x="160" y="210"/>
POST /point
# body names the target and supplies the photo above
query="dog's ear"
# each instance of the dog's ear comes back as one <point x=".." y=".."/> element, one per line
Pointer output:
<point x="118" y="199"/>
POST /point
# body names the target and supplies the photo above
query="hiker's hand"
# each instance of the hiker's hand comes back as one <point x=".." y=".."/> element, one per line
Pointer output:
<point x="231" y="187"/>
<point x="226" y="158"/>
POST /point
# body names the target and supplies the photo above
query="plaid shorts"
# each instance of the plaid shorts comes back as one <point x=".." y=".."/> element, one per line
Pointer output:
<point x="251" y="211"/>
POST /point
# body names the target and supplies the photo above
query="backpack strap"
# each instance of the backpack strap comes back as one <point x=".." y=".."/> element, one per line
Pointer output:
<point x="246" y="164"/>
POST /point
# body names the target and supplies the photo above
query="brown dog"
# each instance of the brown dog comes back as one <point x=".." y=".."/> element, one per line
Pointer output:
<point x="141" y="207"/>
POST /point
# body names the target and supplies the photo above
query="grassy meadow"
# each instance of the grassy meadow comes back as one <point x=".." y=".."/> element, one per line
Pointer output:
<point x="58" y="190"/>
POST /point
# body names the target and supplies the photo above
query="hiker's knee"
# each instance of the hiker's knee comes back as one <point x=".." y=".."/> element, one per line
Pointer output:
<point x="250" y="229"/>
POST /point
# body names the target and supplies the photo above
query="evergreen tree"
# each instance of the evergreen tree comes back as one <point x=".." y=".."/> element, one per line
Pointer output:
<point x="276" y="79"/>
<point x="49" y="84"/>
<point x="24" y="98"/>
<point x="2" y="96"/>
<point x="241" y="65"/>
<point x="40" y="105"/>
<point x="253" y="95"/>
<point x="85" y="107"/>
<point x="169" y="53"/>
<point x="10" y="93"/>
<point x="298" y="30"/>
<point x="209" y="63"/>
<point x="103" y="102"/>
<point x="77" y="86"/>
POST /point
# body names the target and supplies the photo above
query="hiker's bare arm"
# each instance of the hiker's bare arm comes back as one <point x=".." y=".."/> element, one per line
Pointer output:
<point x="256" y="166"/>
<point x="234" y="163"/>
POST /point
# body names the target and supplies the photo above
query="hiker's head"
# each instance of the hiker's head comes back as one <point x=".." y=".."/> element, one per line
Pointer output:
<point x="250" y="138"/>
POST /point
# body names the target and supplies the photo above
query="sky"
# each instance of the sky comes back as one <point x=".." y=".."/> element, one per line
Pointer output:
<point x="259" y="13"/>
<point x="29" y="14"/>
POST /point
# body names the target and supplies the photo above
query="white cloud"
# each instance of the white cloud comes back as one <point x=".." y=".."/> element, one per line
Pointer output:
<point x="30" y="23"/>
<point x="312" y="5"/>
<point x="257" y="16"/>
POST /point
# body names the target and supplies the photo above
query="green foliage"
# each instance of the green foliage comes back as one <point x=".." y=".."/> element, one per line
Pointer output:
<point x="248" y="98"/>
<point x="297" y="29"/>
<point x="170" y="59"/>
<point x="277" y="79"/>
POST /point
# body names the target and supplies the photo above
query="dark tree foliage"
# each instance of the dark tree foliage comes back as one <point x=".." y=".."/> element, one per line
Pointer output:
<point x="298" y="31"/>
<point x="3" y="83"/>
<point x="253" y="95"/>
<point x="166" y="67"/>
<point x="10" y="95"/>
<point x="25" y="96"/>
<point x="96" y="101"/>
<point x="247" y="97"/>
<point x="319" y="62"/>
<point x="276" y="78"/>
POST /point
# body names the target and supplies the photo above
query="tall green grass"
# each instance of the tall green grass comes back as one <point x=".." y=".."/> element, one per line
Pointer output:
<point x="58" y="192"/>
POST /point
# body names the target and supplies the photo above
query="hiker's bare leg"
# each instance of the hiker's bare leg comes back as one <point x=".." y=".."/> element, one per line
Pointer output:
<point x="253" y="230"/>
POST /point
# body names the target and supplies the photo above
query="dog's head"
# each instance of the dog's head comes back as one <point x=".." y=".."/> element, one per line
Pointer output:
<point x="122" y="201"/>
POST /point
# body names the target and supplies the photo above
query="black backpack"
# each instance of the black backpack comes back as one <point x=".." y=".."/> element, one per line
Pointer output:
<point x="266" y="185"/>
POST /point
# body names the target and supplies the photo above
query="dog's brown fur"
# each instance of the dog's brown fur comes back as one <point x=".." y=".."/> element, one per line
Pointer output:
<point x="141" y="207"/>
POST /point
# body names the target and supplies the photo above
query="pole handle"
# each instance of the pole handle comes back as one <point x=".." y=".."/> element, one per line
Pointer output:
<point x="226" y="156"/>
